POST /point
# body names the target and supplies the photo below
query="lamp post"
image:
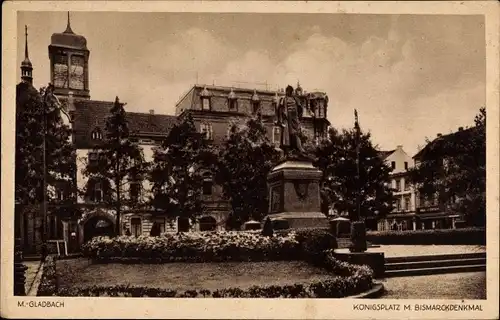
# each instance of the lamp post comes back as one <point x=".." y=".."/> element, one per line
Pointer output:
<point x="358" y="230"/>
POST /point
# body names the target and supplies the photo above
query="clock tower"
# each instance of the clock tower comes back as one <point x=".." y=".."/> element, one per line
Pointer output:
<point x="69" y="68"/>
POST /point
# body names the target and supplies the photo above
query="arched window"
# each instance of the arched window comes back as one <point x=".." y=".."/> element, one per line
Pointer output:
<point x="207" y="183"/>
<point x="96" y="134"/>
<point x="206" y="130"/>
<point x="136" y="226"/>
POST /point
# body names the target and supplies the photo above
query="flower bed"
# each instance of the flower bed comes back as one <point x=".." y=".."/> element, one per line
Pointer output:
<point x="207" y="247"/>
<point x="466" y="236"/>
<point x="348" y="280"/>
<point x="316" y="246"/>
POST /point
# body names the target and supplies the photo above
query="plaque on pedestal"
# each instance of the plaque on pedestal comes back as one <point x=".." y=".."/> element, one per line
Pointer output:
<point x="294" y="194"/>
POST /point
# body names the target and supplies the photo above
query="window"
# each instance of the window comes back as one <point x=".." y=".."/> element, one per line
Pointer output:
<point x="233" y="103"/>
<point x="207" y="184"/>
<point x="255" y="107"/>
<point x="276" y="135"/>
<point x="398" y="184"/>
<point x="321" y="110"/>
<point x="398" y="205"/>
<point x="96" y="134"/>
<point x="206" y="130"/>
<point x="97" y="192"/>
<point x="136" y="227"/>
<point x="407" y="204"/>
<point x="393" y="165"/>
<point x="135" y="191"/>
<point x="205" y="103"/>
<point x="406" y="165"/>
<point x="407" y="184"/>
<point x="93" y="158"/>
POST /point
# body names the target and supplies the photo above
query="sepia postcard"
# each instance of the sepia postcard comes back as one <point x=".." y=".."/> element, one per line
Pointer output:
<point x="250" y="159"/>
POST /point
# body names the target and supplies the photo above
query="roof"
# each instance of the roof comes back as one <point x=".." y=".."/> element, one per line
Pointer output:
<point x="91" y="114"/>
<point x="385" y="154"/>
<point x="438" y="143"/>
<point x="69" y="39"/>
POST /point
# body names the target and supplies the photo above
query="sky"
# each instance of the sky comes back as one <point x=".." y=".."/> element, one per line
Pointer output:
<point x="409" y="76"/>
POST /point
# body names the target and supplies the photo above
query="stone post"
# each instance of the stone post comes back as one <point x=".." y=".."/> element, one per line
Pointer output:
<point x="19" y="270"/>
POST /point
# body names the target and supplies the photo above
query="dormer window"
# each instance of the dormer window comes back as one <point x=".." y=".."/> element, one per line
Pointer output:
<point x="232" y="100"/>
<point x="96" y="134"/>
<point x="255" y="102"/>
<point x="205" y="100"/>
<point x="205" y="103"/>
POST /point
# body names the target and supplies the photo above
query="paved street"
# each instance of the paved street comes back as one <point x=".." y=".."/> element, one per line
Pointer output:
<point x="420" y="250"/>
<point x="468" y="285"/>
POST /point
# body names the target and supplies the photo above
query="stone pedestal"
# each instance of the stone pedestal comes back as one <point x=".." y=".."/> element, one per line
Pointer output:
<point x="294" y="194"/>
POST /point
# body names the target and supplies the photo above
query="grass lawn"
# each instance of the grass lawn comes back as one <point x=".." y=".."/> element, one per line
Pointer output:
<point x="186" y="276"/>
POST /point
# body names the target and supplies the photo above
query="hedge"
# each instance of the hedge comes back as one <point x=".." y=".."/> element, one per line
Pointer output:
<point x="48" y="282"/>
<point x="349" y="280"/>
<point x="209" y="247"/>
<point x="465" y="236"/>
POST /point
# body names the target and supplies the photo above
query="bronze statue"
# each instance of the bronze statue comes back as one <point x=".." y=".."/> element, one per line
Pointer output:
<point x="289" y="112"/>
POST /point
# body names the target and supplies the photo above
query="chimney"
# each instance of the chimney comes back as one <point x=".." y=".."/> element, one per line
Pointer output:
<point x="151" y="111"/>
<point x="399" y="147"/>
<point x="460" y="128"/>
<point x="439" y="135"/>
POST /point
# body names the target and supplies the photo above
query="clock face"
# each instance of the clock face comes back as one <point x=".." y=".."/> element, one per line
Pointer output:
<point x="76" y="75"/>
<point x="61" y="71"/>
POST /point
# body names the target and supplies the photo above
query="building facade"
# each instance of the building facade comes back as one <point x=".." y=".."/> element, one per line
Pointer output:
<point x="433" y="211"/>
<point x="214" y="109"/>
<point x="403" y="215"/>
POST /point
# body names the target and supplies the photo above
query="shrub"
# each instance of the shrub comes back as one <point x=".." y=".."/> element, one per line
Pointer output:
<point x="465" y="236"/>
<point x="194" y="247"/>
<point x="313" y="242"/>
<point x="48" y="282"/>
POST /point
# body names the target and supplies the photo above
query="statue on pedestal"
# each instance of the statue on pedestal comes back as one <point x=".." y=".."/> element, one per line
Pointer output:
<point x="289" y="112"/>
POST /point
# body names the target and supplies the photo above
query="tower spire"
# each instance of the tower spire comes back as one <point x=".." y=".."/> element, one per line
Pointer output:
<point x="26" y="57"/>
<point x="26" y="66"/>
<point x="68" y="26"/>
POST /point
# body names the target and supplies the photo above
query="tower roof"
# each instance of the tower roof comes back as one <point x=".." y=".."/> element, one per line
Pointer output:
<point x="69" y="39"/>
<point x="26" y="62"/>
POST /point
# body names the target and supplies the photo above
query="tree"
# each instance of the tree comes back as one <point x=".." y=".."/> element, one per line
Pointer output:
<point x="336" y="158"/>
<point x="453" y="167"/>
<point x="245" y="159"/>
<point x="37" y="115"/>
<point x="178" y="169"/>
<point x="119" y="163"/>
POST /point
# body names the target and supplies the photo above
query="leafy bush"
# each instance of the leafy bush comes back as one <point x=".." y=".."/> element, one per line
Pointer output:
<point x="465" y="236"/>
<point x="313" y="242"/>
<point x="194" y="247"/>
<point x="48" y="283"/>
<point x="356" y="279"/>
